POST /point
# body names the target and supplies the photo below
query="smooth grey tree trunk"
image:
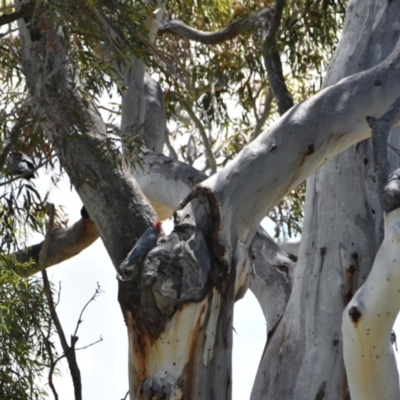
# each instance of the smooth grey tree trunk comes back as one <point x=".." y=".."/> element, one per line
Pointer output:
<point x="342" y="233"/>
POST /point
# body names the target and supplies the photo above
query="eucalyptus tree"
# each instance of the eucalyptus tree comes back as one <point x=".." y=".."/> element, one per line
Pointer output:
<point x="178" y="303"/>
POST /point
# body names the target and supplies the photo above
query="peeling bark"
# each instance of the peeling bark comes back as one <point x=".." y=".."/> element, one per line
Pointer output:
<point x="178" y="307"/>
<point x="165" y="182"/>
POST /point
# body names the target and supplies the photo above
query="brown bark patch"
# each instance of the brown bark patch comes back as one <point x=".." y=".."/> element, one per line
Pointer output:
<point x="355" y="314"/>
<point x="321" y="391"/>
<point x="351" y="279"/>
<point x="138" y="346"/>
<point x="193" y="349"/>
<point x="310" y="149"/>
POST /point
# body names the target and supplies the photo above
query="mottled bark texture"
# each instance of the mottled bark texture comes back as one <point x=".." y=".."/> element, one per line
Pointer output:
<point x="165" y="182"/>
<point x="109" y="193"/>
<point x="178" y="308"/>
<point x="339" y="113"/>
<point x="369" y="317"/>
<point x="340" y="237"/>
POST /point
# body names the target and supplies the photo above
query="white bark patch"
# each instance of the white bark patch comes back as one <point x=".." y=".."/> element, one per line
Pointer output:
<point x="160" y="190"/>
<point x="172" y="351"/>
<point x="368" y="320"/>
<point x="242" y="265"/>
<point x="290" y="246"/>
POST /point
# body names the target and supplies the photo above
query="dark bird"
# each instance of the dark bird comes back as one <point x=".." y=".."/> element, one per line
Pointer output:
<point x="144" y="244"/>
<point x="393" y="339"/>
<point x="20" y="163"/>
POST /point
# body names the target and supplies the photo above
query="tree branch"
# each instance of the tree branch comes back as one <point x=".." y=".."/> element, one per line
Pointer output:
<point x="272" y="278"/>
<point x="64" y="243"/>
<point x="297" y="145"/>
<point x="264" y="115"/>
<point x="235" y="28"/>
<point x="206" y="143"/>
<point x="96" y="294"/>
<point x="369" y="317"/>
<point x="26" y="11"/>
<point x="69" y="351"/>
<point x="273" y="62"/>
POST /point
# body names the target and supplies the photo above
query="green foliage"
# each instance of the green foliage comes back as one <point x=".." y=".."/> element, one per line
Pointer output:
<point x="24" y="331"/>
<point x="224" y="84"/>
<point x="288" y="214"/>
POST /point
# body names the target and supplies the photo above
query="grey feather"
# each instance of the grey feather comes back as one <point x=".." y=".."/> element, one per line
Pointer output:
<point x="20" y="163"/>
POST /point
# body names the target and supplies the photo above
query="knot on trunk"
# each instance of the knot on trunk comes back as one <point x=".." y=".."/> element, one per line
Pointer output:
<point x="160" y="387"/>
<point x="181" y="269"/>
<point x="391" y="192"/>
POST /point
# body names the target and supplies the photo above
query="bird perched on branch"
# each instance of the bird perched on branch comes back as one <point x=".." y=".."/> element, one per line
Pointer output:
<point x="20" y="163"/>
<point x="144" y="244"/>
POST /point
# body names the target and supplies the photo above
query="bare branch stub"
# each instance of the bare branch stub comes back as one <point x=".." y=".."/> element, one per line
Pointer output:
<point x="26" y="11"/>
<point x="96" y="294"/>
<point x="380" y="131"/>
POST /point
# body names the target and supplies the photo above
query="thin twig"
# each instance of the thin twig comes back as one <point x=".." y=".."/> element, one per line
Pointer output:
<point x="42" y="263"/>
<point x="69" y="351"/>
<point x="43" y="253"/>
<point x="90" y="345"/>
<point x="125" y="397"/>
<point x="97" y="293"/>
<point x="170" y="148"/>
<point x="58" y="294"/>
<point x="264" y="115"/>
<point x="52" y="363"/>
